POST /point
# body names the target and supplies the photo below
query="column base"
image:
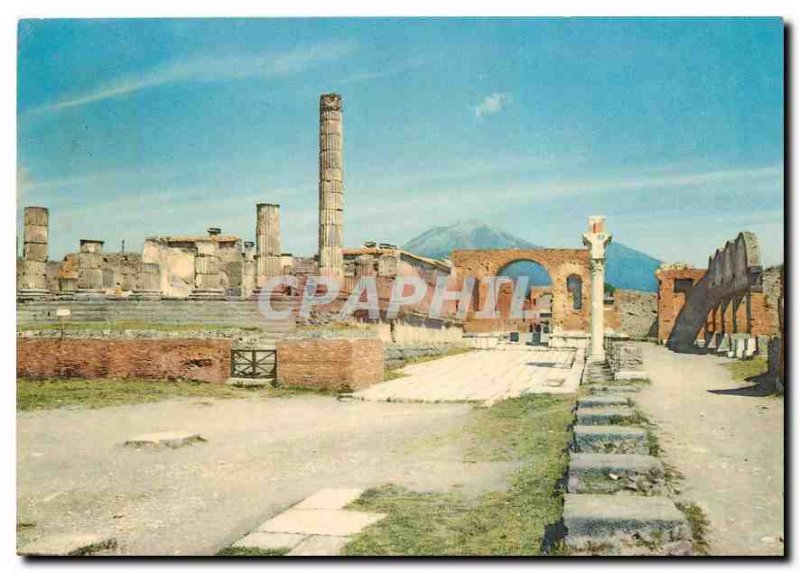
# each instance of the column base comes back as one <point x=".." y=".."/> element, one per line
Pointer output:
<point x="206" y="294"/>
<point x="145" y="295"/>
<point x="33" y="294"/>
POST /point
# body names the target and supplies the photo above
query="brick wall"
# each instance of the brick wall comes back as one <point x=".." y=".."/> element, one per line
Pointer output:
<point x="671" y="302"/>
<point x="330" y="363"/>
<point x="194" y="359"/>
<point x="634" y="313"/>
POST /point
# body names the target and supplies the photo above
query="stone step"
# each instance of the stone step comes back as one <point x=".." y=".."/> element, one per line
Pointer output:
<point x="604" y="401"/>
<point x="600" y="389"/>
<point x="601" y="473"/>
<point x="605" y="415"/>
<point x="623" y="520"/>
<point x="610" y="439"/>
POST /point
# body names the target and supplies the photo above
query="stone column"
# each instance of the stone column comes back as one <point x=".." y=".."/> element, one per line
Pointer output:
<point x="331" y="186"/>
<point x="207" y="279"/>
<point x="148" y="281"/>
<point x="268" y="242"/>
<point x="596" y="239"/>
<point x="90" y="267"/>
<point x="248" y="270"/>
<point x="32" y="277"/>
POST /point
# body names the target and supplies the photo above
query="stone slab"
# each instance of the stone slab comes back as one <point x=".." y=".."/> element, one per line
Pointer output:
<point x="321" y="546"/>
<point x="610" y="439"/>
<point x="604" y="401"/>
<point x="321" y="522"/>
<point x="171" y="439"/>
<point x="270" y="540"/>
<point x="247" y="382"/>
<point x="609" y="473"/>
<point x="604" y="415"/>
<point x="613" y="388"/>
<point x="330" y="499"/>
<point x="598" y="518"/>
<point x="630" y="375"/>
<point x="67" y="545"/>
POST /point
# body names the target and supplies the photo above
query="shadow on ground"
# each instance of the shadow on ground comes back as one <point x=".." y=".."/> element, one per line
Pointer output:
<point x="761" y="386"/>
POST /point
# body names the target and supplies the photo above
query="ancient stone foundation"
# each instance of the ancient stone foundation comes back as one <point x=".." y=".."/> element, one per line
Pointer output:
<point x="330" y="363"/>
<point x="194" y="359"/>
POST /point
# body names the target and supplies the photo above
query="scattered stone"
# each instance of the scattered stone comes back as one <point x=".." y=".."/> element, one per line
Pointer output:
<point x="322" y="522"/>
<point x="320" y="546"/>
<point x="771" y="539"/>
<point x="171" y="439"/>
<point x="330" y="499"/>
<point x="270" y="540"/>
<point x="610" y="439"/>
<point x="68" y="545"/>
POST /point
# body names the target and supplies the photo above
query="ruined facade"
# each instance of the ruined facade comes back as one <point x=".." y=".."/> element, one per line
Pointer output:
<point x="674" y="283"/>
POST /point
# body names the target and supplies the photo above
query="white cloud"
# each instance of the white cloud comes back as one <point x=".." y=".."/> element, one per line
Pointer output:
<point x="211" y="69"/>
<point x="491" y="104"/>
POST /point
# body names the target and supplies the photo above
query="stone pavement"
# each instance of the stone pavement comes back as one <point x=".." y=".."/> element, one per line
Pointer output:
<point x="727" y="442"/>
<point x="484" y="375"/>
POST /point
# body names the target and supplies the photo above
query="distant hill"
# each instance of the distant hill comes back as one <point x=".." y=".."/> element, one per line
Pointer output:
<point x="626" y="267"/>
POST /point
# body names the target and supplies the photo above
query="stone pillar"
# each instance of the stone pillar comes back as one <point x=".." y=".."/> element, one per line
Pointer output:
<point x="249" y="270"/>
<point x="148" y="281"/>
<point x="32" y="277"/>
<point x="268" y="242"/>
<point x="207" y="279"/>
<point x="90" y="267"/>
<point x="596" y="239"/>
<point x="331" y="186"/>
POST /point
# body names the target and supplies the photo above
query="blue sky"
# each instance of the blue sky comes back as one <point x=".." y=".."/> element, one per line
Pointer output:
<point x="671" y="128"/>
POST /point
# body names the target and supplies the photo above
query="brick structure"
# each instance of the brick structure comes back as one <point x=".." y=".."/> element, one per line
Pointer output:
<point x="560" y="264"/>
<point x="674" y="282"/>
<point x="330" y="363"/>
<point x="194" y="359"/>
<point x="634" y="313"/>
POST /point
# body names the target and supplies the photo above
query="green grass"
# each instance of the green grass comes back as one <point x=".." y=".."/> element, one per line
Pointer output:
<point x="33" y="394"/>
<point x="533" y="430"/>
<point x="744" y="370"/>
<point x="251" y="552"/>
<point x="699" y="524"/>
<point x="130" y="325"/>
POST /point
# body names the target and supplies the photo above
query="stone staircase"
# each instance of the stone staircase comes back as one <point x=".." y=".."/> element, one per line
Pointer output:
<point x="617" y="499"/>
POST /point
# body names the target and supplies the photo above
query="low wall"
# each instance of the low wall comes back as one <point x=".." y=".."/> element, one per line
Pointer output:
<point x="330" y="363"/>
<point x="625" y="359"/>
<point x="396" y="355"/>
<point x="195" y="359"/>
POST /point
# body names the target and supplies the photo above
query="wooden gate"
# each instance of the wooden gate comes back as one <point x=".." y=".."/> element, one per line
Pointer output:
<point x="254" y="364"/>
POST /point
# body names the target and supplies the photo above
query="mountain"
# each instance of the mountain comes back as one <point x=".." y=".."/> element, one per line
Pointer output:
<point x="626" y="267"/>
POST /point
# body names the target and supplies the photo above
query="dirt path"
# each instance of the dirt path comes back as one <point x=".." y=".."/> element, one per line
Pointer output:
<point x="728" y="445"/>
<point x="261" y="457"/>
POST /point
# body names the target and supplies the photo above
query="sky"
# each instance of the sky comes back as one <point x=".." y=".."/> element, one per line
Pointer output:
<point x="673" y="129"/>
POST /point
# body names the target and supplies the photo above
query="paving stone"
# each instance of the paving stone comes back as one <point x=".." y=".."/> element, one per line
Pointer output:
<point x="331" y="499"/>
<point x="610" y="439"/>
<point x="604" y="415"/>
<point x="270" y="540"/>
<point x="630" y="375"/>
<point x="321" y="546"/>
<point x="67" y="545"/>
<point x="610" y="473"/>
<point x="604" y="401"/>
<point x="627" y="519"/>
<point x="324" y="522"/>
<point x="172" y="439"/>
<point x="613" y="388"/>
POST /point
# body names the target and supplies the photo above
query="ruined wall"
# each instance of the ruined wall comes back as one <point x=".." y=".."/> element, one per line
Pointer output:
<point x="330" y="363"/>
<point x="765" y="305"/>
<point x="194" y="359"/>
<point x="635" y="313"/>
<point x="559" y="263"/>
<point x="670" y="302"/>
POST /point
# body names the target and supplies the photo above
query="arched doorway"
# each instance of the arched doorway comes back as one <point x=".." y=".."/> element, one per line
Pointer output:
<point x="536" y="323"/>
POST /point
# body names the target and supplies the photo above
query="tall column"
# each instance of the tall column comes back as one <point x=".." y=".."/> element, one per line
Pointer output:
<point x="331" y="186"/>
<point x="207" y="279"/>
<point x="148" y="281"/>
<point x="268" y="242"/>
<point x="596" y="239"/>
<point x="32" y="278"/>
<point x="90" y="267"/>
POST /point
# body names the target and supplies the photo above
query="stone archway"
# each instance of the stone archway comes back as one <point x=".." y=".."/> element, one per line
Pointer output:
<point x="559" y="263"/>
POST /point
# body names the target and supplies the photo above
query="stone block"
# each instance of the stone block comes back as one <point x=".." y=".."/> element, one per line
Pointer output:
<point x="171" y="439"/>
<point x="321" y="522"/>
<point x="321" y="546"/>
<point x="622" y="519"/>
<point x="724" y="343"/>
<point x="608" y="473"/>
<point x="68" y="545"/>
<point x="603" y="401"/>
<point x="270" y="540"/>
<point x="600" y="389"/>
<point x="330" y="499"/>
<point x="630" y="375"/>
<point x="610" y="439"/>
<point x="330" y="363"/>
<point x="604" y="415"/>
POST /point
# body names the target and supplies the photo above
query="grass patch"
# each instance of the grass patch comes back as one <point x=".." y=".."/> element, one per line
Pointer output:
<point x="746" y="369"/>
<point x="533" y="430"/>
<point x="251" y="552"/>
<point x="699" y="524"/>
<point x="33" y="394"/>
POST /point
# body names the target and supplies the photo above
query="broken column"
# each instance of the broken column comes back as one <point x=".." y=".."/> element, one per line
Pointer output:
<point x="207" y="279"/>
<point x="148" y="281"/>
<point x="331" y="186"/>
<point x="596" y="239"/>
<point x="90" y="267"/>
<point x="248" y="269"/>
<point x="268" y="242"/>
<point x="32" y="277"/>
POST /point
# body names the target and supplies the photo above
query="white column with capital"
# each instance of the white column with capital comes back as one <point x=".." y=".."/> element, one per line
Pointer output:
<point x="596" y="239"/>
